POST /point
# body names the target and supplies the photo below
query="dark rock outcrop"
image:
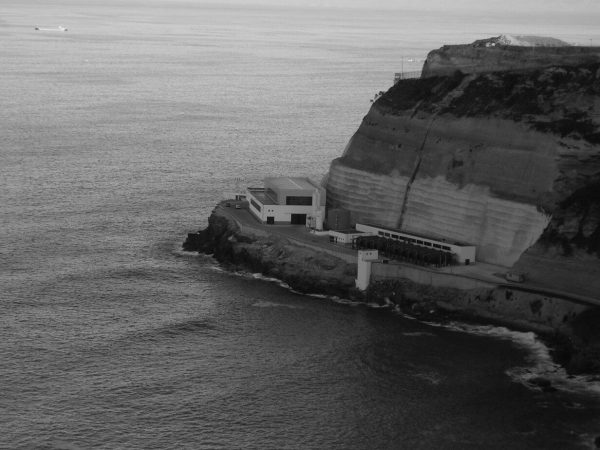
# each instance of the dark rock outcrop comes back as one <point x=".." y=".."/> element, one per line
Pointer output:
<point x="304" y="270"/>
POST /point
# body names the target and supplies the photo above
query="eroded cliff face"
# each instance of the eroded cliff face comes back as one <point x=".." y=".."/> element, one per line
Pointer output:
<point x="508" y="161"/>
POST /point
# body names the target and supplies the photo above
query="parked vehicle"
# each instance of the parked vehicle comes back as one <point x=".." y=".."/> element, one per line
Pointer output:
<point x="515" y="277"/>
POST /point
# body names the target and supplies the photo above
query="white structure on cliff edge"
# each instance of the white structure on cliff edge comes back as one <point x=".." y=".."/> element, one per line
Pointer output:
<point x="363" y="271"/>
<point x="286" y="200"/>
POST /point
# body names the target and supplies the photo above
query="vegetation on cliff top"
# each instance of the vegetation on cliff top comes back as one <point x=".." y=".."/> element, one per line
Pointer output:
<point x="424" y="93"/>
<point x="559" y="100"/>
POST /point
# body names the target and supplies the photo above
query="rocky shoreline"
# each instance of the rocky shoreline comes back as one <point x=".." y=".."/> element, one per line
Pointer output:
<point x="576" y="344"/>
<point x="303" y="269"/>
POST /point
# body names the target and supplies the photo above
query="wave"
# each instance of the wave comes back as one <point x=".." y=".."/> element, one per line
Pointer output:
<point x="429" y="376"/>
<point x="267" y="304"/>
<point x="419" y="334"/>
<point x="541" y="372"/>
<point x="180" y="252"/>
<point x="284" y="285"/>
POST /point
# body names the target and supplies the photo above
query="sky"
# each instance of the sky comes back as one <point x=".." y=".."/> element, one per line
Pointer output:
<point x="576" y="6"/>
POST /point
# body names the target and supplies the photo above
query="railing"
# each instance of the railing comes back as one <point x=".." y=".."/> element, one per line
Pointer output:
<point x="406" y="75"/>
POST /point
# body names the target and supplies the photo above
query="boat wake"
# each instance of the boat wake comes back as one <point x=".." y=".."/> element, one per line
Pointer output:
<point x="58" y="28"/>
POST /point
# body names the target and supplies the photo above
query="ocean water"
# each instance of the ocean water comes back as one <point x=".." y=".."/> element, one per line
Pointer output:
<point x="119" y="136"/>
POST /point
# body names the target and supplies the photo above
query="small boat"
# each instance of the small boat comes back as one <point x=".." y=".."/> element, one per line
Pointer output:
<point x="59" y="28"/>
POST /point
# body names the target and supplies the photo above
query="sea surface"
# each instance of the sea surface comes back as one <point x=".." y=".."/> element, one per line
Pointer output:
<point x="119" y="136"/>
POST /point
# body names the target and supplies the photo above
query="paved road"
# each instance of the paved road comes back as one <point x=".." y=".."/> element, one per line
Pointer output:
<point x="296" y="232"/>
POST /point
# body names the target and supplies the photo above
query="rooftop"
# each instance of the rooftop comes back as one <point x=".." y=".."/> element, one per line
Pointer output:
<point x="348" y="231"/>
<point x="437" y="239"/>
<point x="263" y="196"/>
<point x="291" y="183"/>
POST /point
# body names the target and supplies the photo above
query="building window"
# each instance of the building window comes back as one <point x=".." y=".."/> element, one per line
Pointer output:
<point x="420" y="242"/>
<point x="428" y="244"/>
<point x="445" y="247"/>
<point x="256" y="205"/>
<point x="380" y="233"/>
<point x="299" y="201"/>
<point x="437" y="245"/>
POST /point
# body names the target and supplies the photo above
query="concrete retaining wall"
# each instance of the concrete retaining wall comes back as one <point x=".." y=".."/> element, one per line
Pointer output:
<point x="422" y="275"/>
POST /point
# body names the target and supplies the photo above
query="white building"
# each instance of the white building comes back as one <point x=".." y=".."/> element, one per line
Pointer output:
<point x="345" y="237"/>
<point x="464" y="253"/>
<point x="286" y="200"/>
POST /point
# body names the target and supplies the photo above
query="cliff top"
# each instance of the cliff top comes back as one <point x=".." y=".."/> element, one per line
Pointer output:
<point x="521" y="41"/>
<point x="506" y="53"/>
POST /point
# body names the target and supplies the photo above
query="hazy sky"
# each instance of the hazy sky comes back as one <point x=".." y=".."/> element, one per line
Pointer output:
<point x="578" y="6"/>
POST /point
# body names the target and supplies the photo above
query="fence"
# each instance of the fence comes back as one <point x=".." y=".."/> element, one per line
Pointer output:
<point x="406" y="75"/>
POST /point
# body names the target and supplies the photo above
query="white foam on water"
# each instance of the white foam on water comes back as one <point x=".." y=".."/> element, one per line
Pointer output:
<point x="419" y="334"/>
<point x="588" y="441"/>
<point x="376" y="305"/>
<point x="180" y="252"/>
<point x="541" y="364"/>
<point x="431" y="377"/>
<point x="267" y="304"/>
<point x="284" y="285"/>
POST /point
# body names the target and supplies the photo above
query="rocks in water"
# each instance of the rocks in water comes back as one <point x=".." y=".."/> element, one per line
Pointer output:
<point x="543" y="383"/>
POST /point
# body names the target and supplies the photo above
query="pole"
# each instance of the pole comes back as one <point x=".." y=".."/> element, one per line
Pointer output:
<point x="402" y="66"/>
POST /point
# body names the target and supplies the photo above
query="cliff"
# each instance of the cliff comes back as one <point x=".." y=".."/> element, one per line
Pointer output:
<point x="506" y="160"/>
<point x="505" y="53"/>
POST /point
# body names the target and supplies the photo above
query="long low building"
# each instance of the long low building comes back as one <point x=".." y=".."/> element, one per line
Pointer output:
<point x="464" y="253"/>
<point x="287" y="200"/>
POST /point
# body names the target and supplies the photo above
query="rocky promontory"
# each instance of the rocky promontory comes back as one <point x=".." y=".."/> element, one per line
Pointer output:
<point x="303" y="269"/>
<point x="570" y="329"/>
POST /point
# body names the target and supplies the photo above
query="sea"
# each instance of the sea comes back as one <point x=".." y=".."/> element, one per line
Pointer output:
<point x="119" y="136"/>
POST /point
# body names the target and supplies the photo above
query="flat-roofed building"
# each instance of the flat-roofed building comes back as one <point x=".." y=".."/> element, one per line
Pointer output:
<point x="463" y="253"/>
<point x="345" y="237"/>
<point x="288" y="200"/>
